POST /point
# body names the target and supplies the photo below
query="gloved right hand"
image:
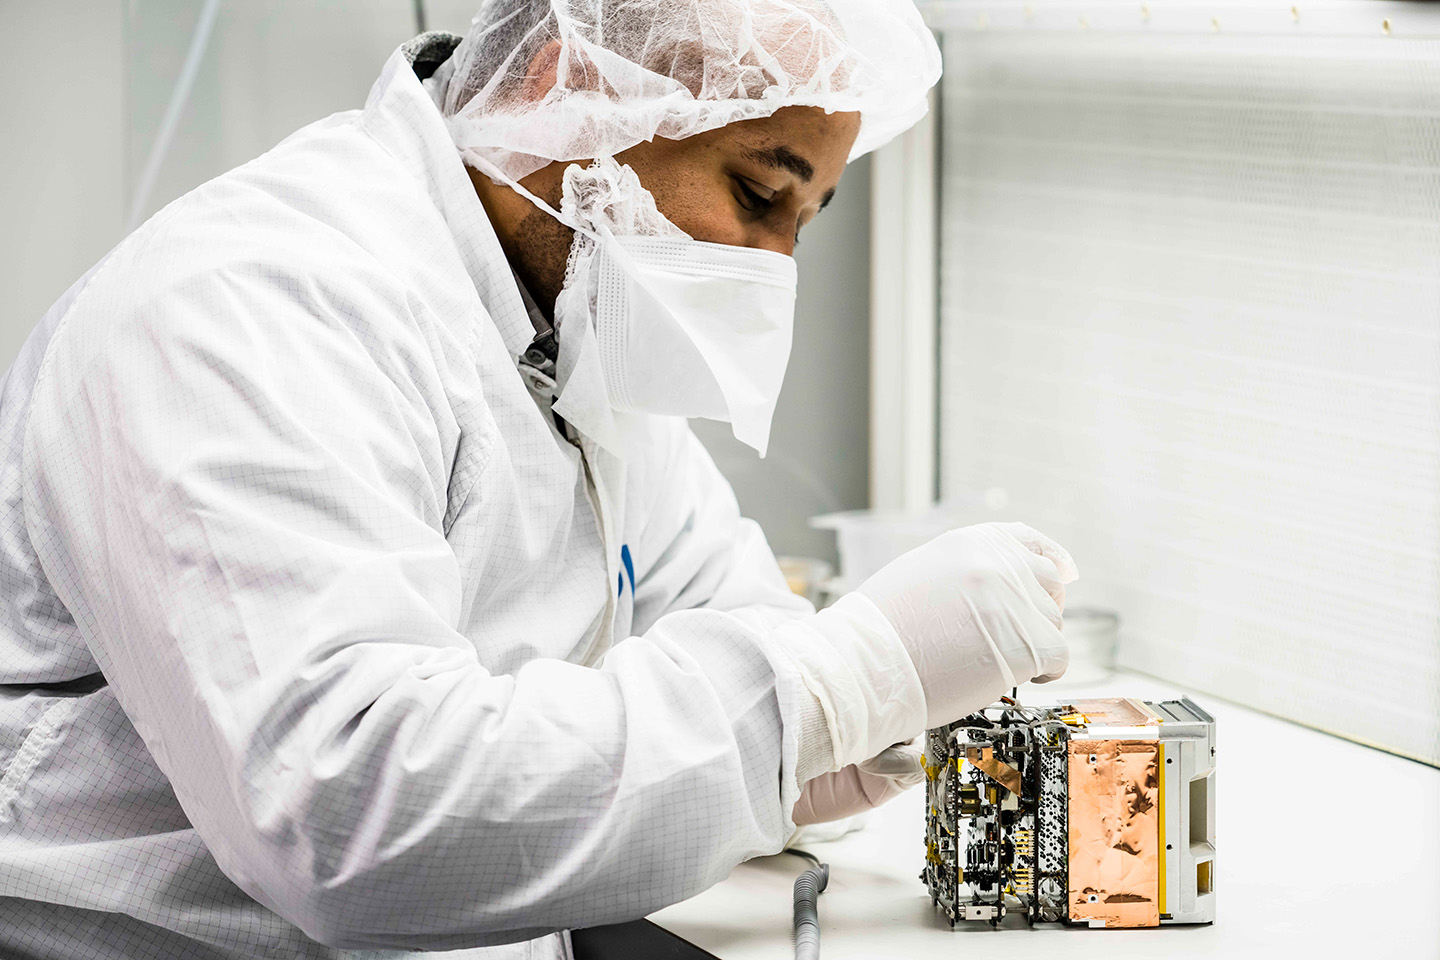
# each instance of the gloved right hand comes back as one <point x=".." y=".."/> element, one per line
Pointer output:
<point x="979" y="611"/>
<point x="937" y="633"/>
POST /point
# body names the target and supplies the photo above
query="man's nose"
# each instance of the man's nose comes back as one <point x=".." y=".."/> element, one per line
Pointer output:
<point x="778" y="241"/>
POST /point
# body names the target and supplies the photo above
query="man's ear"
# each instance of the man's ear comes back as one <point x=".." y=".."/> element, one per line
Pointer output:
<point x="540" y="75"/>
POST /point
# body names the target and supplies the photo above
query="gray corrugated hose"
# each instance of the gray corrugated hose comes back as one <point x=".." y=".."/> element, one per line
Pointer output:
<point x="808" y="887"/>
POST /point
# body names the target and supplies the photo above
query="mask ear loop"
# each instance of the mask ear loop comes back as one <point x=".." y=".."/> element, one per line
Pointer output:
<point x="599" y="233"/>
<point x="495" y="173"/>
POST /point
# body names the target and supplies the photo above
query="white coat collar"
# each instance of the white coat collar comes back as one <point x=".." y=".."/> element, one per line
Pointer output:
<point x="402" y="116"/>
<point x="403" y="119"/>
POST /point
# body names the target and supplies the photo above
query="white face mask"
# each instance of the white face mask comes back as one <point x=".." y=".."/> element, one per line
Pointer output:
<point x="680" y="327"/>
<point x="693" y="329"/>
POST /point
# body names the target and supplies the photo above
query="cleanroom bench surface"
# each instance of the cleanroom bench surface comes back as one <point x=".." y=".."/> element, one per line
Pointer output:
<point x="1324" y="848"/>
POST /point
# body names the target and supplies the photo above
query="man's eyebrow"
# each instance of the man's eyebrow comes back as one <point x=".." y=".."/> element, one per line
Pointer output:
<point x="783" y="158"/>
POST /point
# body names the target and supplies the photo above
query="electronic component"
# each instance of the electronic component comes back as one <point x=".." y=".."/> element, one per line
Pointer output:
<point x="1098" y="812"/>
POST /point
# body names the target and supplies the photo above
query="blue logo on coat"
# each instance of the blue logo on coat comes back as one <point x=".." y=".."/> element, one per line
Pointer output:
<point x="630" y="569"/>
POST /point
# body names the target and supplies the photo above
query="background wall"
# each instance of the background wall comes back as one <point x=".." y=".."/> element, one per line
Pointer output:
<point x="818" y="461"/>
<point x="97" y="78"/>
<point x="1190" y="321"/>
<point x="63" y="187"/>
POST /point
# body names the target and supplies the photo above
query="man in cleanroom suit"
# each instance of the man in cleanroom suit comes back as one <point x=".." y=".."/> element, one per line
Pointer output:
<point x="363" y="586"/>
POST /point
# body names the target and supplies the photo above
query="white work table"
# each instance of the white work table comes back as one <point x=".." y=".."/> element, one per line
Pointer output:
<point x="1324" y="848"/>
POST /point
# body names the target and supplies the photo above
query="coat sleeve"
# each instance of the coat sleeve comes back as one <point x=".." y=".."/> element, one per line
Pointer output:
<point x="237" y="484"/>
<point x="712" y="566"/>
<point x="697" y="551"/>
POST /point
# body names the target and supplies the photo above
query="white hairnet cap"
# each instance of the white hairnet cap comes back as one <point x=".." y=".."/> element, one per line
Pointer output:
<point x="536" y="81"/>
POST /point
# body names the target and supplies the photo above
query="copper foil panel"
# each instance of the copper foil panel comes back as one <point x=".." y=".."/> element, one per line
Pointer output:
<point x="1115" y="831"/>
<point x="997" y="770"/>
<point x="1116" y="712"/>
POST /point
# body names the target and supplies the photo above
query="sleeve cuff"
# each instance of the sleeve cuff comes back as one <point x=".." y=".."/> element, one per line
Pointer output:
<point x="853" y="662"/>
<point x="816" y="752"/>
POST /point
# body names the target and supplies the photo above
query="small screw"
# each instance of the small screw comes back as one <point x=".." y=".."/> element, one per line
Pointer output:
<point x="1169" y="760"/>
<point x="1169" y="847"/>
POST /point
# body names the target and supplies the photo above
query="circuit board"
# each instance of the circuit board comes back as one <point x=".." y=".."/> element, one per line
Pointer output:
<point x="1058" y="813"/>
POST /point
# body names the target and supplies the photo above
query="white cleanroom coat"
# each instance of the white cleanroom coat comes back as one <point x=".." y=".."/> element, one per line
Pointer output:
<point x="317" y="633"/>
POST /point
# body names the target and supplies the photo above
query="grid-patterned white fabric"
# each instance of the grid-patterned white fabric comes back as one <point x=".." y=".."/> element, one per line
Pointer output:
<point x="1191" y="323"/>
<point x="271" y="468"/>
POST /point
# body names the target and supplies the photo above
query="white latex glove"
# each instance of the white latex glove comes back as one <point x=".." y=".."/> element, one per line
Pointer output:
<point x="937" y="633"/>
<point x="979" y="610"/>
<point x="860" y="786"/>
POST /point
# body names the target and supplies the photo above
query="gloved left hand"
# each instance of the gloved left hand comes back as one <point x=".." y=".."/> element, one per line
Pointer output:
<point x="860" y="786"/>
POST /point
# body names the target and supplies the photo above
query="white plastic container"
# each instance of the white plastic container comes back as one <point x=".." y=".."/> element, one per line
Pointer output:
<point x="1090" y="633"/>
<point x="868" y="539"/>
<point x="808" y="577"/>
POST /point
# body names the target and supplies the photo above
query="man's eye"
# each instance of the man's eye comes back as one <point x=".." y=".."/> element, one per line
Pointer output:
<point x="751" y="199"/>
